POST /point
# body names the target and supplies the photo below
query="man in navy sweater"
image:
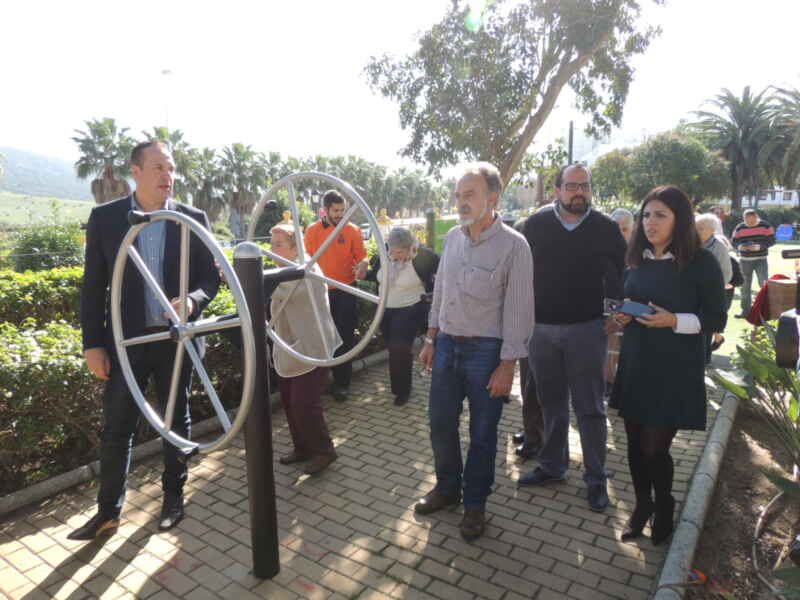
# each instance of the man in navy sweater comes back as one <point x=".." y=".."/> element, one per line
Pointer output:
<point x="578" y="258"/>
<point x="752" y="239"/>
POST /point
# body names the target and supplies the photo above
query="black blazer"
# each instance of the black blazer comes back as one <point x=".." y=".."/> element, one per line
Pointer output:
<point x="108" y="224"/>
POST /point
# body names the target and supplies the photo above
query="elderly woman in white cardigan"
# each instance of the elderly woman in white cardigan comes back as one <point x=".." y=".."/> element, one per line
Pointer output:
<point x="301" y="384"/>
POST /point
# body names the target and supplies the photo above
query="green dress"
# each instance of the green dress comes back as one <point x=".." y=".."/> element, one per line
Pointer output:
<point x="661" y="375"/>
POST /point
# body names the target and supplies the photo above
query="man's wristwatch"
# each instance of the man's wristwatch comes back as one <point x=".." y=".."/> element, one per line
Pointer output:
<point x="429" y="340"/>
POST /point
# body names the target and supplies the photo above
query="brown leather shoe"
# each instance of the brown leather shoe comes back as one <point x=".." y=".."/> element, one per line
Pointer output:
<point x="293" y="457"/>
<point x="434" y="501"/>
<point x="473" y="524"/>
<point x="319" y="463"/>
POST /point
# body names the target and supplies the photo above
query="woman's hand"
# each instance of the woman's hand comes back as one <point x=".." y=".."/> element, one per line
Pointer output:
<point x="661" y="318"/>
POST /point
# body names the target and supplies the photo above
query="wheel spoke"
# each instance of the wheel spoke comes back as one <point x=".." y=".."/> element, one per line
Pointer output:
<point x="146" y="339"/>
<point x="177" y="366"/>
<point x="317" y="313"/>
<point x="183" y="307"/>
<point x="344" y="287"/>
<point x="152" y="283"/>
<point x="329" y="240"/>
<point x="212" y="394"/>
<point x="212" y="325"/>
<point x="298" y="232"/>
<point x="279" y="259"/>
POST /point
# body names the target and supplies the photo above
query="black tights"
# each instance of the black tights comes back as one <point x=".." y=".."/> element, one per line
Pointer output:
<point x="650" y="462"/>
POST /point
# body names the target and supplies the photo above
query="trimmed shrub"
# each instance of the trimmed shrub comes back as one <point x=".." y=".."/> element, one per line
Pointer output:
<point x="43" y="296"/>
<point x="44" y="247"/>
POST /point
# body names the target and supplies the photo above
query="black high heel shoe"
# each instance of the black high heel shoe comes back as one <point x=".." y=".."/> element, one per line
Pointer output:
<point x="639" y="518"/>
<point x="663" y="523"/>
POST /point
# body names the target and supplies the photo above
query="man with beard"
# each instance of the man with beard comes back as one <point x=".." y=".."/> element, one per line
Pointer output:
<point x="345" y="260"/>
<point x="479" y="325"/>
<point x="578" y="258"/>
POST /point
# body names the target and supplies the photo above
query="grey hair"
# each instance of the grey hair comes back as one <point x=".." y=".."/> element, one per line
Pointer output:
<point x="621" y="214"/>
<point x="489" y="172"/>
<point x="399" y="237"/>
<point x="709" y="220"/>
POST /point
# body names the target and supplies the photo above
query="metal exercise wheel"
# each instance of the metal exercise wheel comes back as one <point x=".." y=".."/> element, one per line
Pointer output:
<point x="304" y="263"/>
<point x="181" y="330"/>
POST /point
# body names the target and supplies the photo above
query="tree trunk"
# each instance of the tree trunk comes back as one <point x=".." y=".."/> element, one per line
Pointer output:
<point x="736" y="196"/>
<point x="109" y="187"/>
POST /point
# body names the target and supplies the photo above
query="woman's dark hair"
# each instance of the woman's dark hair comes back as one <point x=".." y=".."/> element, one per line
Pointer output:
<point x="685" y="241"/>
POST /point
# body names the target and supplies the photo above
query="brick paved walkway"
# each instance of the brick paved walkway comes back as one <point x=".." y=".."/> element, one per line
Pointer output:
<point x="350" y="532"/>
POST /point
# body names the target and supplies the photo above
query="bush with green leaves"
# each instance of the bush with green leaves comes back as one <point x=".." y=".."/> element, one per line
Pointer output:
<point x="43" y="296"/>
<point x="43" y="247"/>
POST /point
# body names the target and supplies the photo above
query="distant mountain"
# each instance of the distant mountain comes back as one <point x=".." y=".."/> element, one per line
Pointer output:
<point x="37" y="175"/>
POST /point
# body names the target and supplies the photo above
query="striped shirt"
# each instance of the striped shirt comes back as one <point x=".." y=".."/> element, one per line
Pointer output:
<point x="484" y="288"/>
<point x="753" y="242"/>
<point x="150" y="243"/>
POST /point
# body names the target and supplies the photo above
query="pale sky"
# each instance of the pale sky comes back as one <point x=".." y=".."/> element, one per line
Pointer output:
<point x="287" y="76"/>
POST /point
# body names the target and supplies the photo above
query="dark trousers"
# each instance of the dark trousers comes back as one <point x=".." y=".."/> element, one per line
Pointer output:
<point x="532" y="420"/>
<point x="399" y="328"/>
<point x="121" y="418"/>
<point x="301" y="397"/>
<point x="568" y="363"/>
<point x="344" y="310"/>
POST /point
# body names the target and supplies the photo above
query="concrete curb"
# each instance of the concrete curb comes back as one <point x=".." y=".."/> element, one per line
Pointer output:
<point x="678" y="561"/>
<point x="54" y="485"/>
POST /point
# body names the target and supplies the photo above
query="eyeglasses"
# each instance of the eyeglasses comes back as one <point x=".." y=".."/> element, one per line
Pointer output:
<point x="572" y="186"/>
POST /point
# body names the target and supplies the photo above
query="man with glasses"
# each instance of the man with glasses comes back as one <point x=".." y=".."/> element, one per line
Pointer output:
<point x="578" y="257"/>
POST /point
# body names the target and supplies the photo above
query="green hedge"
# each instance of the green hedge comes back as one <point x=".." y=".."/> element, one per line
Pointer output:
<point x="43" y="296"/>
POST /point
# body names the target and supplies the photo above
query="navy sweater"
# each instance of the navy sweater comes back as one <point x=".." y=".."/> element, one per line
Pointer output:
<point x="574" y="270"/>
<point x="761" y="234"/>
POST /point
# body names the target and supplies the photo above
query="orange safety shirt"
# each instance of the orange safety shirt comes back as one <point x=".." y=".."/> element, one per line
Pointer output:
<point x="339" y="259"/>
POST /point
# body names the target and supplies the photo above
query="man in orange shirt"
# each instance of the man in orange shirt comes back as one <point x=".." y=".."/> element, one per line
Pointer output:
<point x="345" y="260"/>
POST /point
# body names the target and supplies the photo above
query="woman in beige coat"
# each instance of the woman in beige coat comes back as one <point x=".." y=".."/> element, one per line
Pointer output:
<point x="309" y="334"/>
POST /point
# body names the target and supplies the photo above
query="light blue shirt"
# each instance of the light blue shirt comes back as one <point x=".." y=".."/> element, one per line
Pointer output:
<point x="151" y="248"/>
<point x="569" y="226"/>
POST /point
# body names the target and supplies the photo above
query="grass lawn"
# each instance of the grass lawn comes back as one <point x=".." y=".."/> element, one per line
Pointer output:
<point x="19" y="209"/>
<point x="737" y="328"/>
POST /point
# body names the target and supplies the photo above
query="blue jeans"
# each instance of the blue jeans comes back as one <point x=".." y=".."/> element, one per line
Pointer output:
<point x="761" y="269"/>
<point x="463" y="368"/>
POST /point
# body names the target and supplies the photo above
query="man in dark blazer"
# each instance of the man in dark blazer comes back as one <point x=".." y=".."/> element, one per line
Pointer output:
<point x="153" y="170"/>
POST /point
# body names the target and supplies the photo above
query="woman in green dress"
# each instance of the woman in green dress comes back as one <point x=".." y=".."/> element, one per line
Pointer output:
<point x="660" y="385"/>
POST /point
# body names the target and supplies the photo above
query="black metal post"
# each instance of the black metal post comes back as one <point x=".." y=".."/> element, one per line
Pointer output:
<point x="248" y="264"/>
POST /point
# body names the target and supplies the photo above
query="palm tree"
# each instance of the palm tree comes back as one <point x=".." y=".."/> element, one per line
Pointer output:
<point x="782" y="156"/>
<point x="739" y="129"/>
<point x="182" y="155"/>
<point x="244" y="178"/>
<point x="204" y="182"/>
<point x="105" y="152"/>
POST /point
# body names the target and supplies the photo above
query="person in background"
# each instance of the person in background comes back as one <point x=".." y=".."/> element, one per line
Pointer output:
<point x="660" y="386"/>
<point x="345" y="260"/>
<point x="752" y="238"/>
<point x="624" y="219"/>
<point x="411" y="273"/>
<point x="306" y="325"/>
<point x="706" y="229"/>
<point x="528" y="441"/>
